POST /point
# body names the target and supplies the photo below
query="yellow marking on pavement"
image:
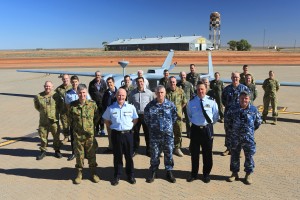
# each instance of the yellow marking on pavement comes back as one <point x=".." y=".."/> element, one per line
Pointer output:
<point x="9" y="142"/>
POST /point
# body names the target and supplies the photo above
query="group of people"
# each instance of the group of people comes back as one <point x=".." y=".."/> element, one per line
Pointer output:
<point x="83" y="111"/>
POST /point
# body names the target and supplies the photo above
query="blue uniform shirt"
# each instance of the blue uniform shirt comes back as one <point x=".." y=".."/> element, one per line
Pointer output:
<point x="195" y="112"/>
<point x="243" y="123"/>
<point x="121" y="118"/>
<point x="160" y="117"/>
<point x="230" y="95"/>
<point x="71" y="96"/>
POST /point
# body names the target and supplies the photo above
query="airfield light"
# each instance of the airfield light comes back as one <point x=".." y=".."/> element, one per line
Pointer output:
<point x="214" y="29"/>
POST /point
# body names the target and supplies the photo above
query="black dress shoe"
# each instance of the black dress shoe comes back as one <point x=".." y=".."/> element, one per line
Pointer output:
<point x="131" y="180"/>
<point x="191" y="178"/>
<point x="41" y="156"/>
<point x="58" y="154"/>
<point x="151" y="178"/>
<point x="206" y="179"/>
<point x="115" y="181"/>
<point x="71" y="157"/>
<point x="170" y="177"/>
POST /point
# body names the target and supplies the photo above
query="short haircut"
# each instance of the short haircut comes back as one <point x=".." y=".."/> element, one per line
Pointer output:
<point x="245" y="66"/>
<point x="217" y="73"/>
<point x="110" y="78"/>
<point x="204" y="79"/>
<point x="97" y="72"/>
<point x="159" y="87"/>
<point x="48" y="82"/>
<point x="126" y="76"/>
<point x="74" y="78"/>
<point x="166" y="70"/>
<point x="136" y="80"/>
<point x="200" y="83"/>
<point x="172" y="77"/>
<point x="192" y="65"/>
<point x="81" y="86"/>
<point x="248" y="75"/>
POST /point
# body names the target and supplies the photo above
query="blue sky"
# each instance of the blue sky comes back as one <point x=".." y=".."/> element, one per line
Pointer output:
<point x="30" y="24"/>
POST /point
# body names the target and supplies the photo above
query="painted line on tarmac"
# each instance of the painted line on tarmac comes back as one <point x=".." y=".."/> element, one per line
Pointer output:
<point x="17" y="139"/>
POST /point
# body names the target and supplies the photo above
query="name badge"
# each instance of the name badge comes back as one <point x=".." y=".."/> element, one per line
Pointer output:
<point x="207" y="106"/>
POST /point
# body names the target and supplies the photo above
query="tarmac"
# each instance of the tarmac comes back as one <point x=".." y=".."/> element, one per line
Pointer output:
<point x="276" y="176"/>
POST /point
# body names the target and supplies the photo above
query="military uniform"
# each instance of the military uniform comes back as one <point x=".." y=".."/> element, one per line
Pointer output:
<point x="62" y="90"/>
<point x="128" y="90"/>
<point x="253" y="95"/>
<point x="230" y="99"/>
<point x="202" y="132"/>
<point x="188" y="89"/>
<point x="270" y="86"/>
<point x="243" y="78"/>
<point x="217" y="88"/>
<point x="82" y="118"/>
<point x="160" y="119"/>
<point x="165" y="82"/>
<point x="192" y="78"/>
<point x="47" y="106"/>
<point x="179" y="99"/>
<point x="242" y="123"/>
<point x="121" y="119"/>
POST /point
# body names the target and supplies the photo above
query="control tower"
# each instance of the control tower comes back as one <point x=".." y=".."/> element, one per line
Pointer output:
<point x="214" y="29"/>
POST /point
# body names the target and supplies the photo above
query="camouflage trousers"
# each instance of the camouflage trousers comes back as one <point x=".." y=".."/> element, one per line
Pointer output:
<point x="157" y="145"/>
<point x="64" y="124"/>
<point x="44" y="129"/>
<point x="267" y="100"/>
<point x="249" y="151"/>
<point x="187" y="121"/>
<point x="177" y="129"/>
<point x="85" y="148"/>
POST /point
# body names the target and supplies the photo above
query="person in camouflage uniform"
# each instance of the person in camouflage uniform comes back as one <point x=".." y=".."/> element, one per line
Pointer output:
<point x="230" y="99"/>
<point x="252" y="88"/>
<point x="47" y="104"/>
<point x="188" y="89"/>
<point x="62" y="90"/>
<point x="243" y="120"/>
<point x="243" y="75"/>
<point x="165" y="80"/>
<point x="271" y="87"/>
<point x="192" y="77"/>
<point x="160" y="115"/>
<point x="83" y="114"/>
<point x="217" y="87"/>
<point x="128" y="87"/>
<point x="177" y="96"/>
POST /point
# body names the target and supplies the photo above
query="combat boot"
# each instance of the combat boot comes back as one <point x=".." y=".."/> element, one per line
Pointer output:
<point x="275" y="120"/>
<point x="152" y="177"/>
<point x="248" y="179"/>
<point x="264" y="120"/>
<point x="178" y="152"/>
<point x="94" y="177"/>
<point x="41" y="156"/>
<point x="234" y="177"/>
<point x="79" y="176"/>
<point x="226" y="152"/>
<point x="170" y="177"/>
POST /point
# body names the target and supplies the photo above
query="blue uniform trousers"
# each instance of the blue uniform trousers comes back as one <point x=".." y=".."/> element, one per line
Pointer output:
<point x="164" y="143"/>
<point x="201" y="138"/>
<point x="122" y="144"/>
<point x="249" y="150"/>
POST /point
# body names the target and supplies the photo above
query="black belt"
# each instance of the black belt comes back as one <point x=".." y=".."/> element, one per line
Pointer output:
<point x="201" y="127"/>
<point x="122" y="132"/>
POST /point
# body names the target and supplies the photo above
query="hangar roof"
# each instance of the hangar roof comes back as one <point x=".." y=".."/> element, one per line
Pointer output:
<point x="157" y="40"/>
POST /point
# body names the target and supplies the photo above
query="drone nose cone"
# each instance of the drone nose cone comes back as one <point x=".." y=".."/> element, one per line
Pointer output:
<point x="123" y="63"/>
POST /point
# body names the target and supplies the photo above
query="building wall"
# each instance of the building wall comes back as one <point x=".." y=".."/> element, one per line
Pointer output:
<point x="149" y="47"/>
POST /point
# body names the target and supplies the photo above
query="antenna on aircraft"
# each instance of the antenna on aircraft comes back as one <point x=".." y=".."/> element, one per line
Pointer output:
<point x="123" y="64"/>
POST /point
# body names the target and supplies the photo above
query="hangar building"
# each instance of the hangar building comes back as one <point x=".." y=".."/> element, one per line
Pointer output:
<point x="181" y="43"/>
